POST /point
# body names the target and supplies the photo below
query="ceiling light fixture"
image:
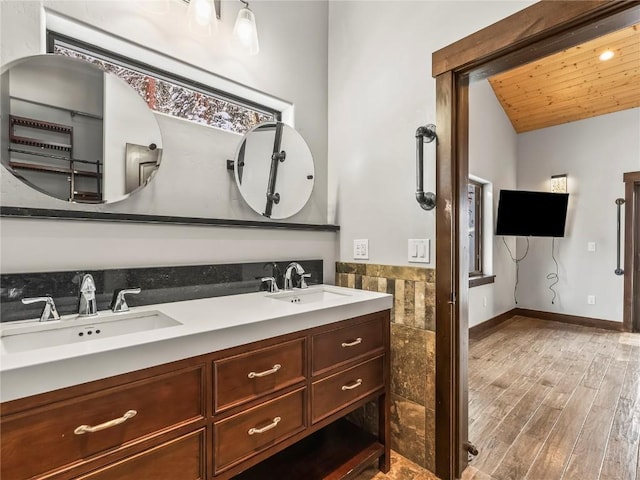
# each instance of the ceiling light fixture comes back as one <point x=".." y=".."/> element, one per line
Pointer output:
<point x="202" y="16"/>
<point x="559" y="183"/>
<point x="245" y="32"/>
<point x="606" y="55"/>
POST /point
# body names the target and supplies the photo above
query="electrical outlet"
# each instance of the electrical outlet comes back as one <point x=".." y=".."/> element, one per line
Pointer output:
<point x="484" y="301"/>
<point x="361" y="249"/>
<point x="591" y="246"/>
<point x="419" y="250"/>
<point x="591" y="299"/>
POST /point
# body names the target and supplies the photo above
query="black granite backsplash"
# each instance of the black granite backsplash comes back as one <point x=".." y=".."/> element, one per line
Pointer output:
<point x="158" y="284"/>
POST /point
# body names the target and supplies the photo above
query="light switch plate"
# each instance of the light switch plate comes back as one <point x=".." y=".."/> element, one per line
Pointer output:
<point x="361" y="249"/>
<point x="591" y="246"/>
<point x="419" y="250"/>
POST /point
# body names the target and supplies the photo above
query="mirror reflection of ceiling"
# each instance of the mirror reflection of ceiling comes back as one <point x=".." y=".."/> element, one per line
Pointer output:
<point x="573" y="84"/>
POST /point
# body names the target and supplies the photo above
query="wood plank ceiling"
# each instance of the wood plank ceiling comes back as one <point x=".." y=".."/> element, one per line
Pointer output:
<point x="573" y="84"/>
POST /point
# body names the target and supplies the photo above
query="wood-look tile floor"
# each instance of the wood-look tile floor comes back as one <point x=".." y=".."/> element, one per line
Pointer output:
<point x="548" y="401"/>
<point x="551" y="401"/>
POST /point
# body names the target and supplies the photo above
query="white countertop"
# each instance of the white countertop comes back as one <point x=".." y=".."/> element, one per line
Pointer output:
<point x="207" y="325"/>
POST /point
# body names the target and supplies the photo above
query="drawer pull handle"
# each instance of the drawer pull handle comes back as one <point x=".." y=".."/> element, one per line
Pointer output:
<point x="355" y="384"/>
<point x="357" y="341"/>
<point x="111" y="423"/>
<point x="275" y="368"/>
<point x="264" y="429"/>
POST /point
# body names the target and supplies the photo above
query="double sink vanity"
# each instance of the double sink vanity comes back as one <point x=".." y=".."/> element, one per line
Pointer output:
<point x="245" y="386"/>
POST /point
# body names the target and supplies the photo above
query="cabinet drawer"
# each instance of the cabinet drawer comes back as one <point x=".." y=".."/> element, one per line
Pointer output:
<point x="336" y="347"/>
<point x="179" y="459"/>
<point x="43" y="439"/>
<point x="245" y="434"/>
<point x="251" y="375"/>
<point x="337" y="391"/>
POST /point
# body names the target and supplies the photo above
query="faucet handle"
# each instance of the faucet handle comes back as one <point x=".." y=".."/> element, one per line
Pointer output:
<point x="303" y="284"/>
<point x="273" y="285"/>
<point x="49" y="309"/>
<point x="119" y="302"/>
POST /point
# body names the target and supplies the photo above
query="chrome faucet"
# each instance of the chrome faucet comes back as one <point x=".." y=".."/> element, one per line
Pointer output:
<point x="273" y="285"/>
<point x="288" y="281"/>
<point x="119" y="303"/>
<point x="87" y="299"/>
<point x="49" y="309"/>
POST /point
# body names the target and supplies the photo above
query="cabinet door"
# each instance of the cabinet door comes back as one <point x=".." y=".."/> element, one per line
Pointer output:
<point x="240" y="436"/>
<point x="335" y="392"/>
<point x="46" y="438"/>
<point x="251" y="375"/>
<point x="179" y="459"/>
<point x="345" y="344"/>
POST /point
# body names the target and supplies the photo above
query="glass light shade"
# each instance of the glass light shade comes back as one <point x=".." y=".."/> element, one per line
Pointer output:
<point x="202" y="17"/>
<point x="245" y="32"/>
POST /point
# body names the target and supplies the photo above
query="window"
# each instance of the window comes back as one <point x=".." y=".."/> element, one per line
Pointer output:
<point x="170" y="94"/>
<point x="475" y="204"/>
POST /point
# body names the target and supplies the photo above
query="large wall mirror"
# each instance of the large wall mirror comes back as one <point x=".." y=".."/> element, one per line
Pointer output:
<point x="75" y="132"/>
<point x="274" y="170"/>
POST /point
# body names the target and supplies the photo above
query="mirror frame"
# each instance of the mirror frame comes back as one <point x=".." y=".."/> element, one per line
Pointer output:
<point x="276" y="156"/>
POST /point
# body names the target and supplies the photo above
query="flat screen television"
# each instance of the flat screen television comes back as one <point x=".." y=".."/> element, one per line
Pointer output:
<point x="532" y="214"/>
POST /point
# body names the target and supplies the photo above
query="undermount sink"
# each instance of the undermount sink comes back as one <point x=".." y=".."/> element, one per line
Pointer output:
<point x="311" y="295"/>
<point x="37" y="335"/>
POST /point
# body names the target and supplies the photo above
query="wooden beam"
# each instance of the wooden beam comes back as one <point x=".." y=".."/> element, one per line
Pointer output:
<point x="541" y="20"/>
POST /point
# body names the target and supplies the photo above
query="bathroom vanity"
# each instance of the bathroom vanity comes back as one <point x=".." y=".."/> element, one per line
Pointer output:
<point x="247" y="386"/>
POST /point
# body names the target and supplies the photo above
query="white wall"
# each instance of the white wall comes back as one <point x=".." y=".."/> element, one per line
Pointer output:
<point x="594" y="153"/>
<point x="380" y="91"/>
<point x="193" y="180"/>
<point x="492" y="157"/>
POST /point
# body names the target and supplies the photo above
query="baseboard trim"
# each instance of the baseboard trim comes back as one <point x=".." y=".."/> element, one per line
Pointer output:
<point x="483" y="329"/>
<point x="572" y="319"/>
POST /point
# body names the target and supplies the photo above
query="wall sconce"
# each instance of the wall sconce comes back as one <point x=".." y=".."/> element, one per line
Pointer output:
<point x="202" y="16"/>
<point x="245" y="32"/>
<point x="559" y="183"/>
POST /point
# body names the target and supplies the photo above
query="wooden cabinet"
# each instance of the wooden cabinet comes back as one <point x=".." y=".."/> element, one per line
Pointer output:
<point x="340" y="345"/>
<point x="181" y="458"/>
<point x="228" y="414"/>
<point x="248" y="376"/>
<point x="64" y="434"/>
<point x="341" y="389"/>
<point x="251" y="431"/>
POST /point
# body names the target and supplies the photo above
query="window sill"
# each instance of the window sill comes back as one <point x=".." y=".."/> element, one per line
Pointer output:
<point x="481" y="280"/>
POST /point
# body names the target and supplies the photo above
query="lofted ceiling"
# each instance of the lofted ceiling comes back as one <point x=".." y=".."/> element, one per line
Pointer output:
<point x="573" y="84"/>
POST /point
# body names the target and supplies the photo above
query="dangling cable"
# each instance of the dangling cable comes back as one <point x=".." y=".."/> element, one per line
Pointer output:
<point x="553" y="276"/>
<point x="517" y="262"/>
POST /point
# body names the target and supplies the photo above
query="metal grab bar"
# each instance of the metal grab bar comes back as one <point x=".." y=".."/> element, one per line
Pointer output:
<point x="619" y="203"/>
<point x="427" y="133"/>
<point x="277" y="157"/>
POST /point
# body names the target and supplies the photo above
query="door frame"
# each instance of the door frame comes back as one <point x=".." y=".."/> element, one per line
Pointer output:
<point x="539" y="30"/>
<point x="631" y="250"/>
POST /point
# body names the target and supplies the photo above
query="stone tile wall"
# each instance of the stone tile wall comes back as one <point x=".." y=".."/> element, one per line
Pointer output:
<point x="412" y="352"/>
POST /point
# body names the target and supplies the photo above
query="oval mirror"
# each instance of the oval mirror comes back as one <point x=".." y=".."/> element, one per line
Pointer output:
<point x="274" y="170"/>
<point x="76" y="132"/>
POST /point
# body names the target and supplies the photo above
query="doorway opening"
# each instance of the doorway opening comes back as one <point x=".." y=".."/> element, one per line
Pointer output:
<point x="535" y="32"/>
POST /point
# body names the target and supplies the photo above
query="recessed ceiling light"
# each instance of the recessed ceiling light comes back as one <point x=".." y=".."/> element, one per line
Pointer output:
<point x="606" y="55"/>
